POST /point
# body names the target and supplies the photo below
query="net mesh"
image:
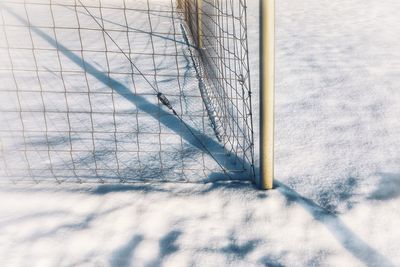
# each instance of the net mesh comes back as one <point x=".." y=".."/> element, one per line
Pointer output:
<point x="108" y="91"/>
<point x="219" y="32"/>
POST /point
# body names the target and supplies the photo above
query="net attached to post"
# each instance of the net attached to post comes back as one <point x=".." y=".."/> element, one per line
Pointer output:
<point x="218" y="29"/>
<point x="108" y="91"/>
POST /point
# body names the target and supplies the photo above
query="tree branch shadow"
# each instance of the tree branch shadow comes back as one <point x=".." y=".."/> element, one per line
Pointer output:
<point x="122" y="256"/>
<point x="388" y="187"/>
<point x="344" y="235"/>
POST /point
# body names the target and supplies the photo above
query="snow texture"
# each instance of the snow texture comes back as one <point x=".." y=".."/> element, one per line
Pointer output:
<point x="337" y="201"/>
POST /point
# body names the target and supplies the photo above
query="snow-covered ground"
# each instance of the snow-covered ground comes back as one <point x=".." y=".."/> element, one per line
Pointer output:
<point x="337" y="201"/>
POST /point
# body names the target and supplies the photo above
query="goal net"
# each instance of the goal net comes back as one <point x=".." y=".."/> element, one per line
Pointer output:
<point x="124" y="91"/>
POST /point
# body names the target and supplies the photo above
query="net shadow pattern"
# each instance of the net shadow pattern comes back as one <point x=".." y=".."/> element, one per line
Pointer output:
<point x="218" y="30"/>
<point x="74" y="107"/>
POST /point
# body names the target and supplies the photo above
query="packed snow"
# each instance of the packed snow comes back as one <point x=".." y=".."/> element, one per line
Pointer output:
<point x="337" y="196"/>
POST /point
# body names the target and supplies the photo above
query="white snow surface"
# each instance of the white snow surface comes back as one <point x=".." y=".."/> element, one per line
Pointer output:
<point x="337" y="201"/>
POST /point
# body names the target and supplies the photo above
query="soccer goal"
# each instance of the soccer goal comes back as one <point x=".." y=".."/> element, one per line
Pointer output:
<point x="125" y="91"/>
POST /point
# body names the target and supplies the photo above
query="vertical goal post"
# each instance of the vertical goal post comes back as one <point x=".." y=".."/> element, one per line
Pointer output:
<point x="267" y="81"/>
<point x="267" y="94"/>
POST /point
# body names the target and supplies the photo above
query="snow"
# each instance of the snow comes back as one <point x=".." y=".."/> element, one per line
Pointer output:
<point x="337" y="201"/>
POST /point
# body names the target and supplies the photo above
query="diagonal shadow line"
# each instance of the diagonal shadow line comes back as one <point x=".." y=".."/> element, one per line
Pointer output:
<point x="345" y="236"/>
<point x="226" y="158"/>
<point x="136" y="29"/>
<point x="349" y="240"/>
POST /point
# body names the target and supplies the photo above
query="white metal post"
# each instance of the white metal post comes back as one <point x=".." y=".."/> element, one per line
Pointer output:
<point x="267" y="75"/>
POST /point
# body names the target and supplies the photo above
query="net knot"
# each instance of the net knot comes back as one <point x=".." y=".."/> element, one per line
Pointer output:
<point x="164" y="100"/>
